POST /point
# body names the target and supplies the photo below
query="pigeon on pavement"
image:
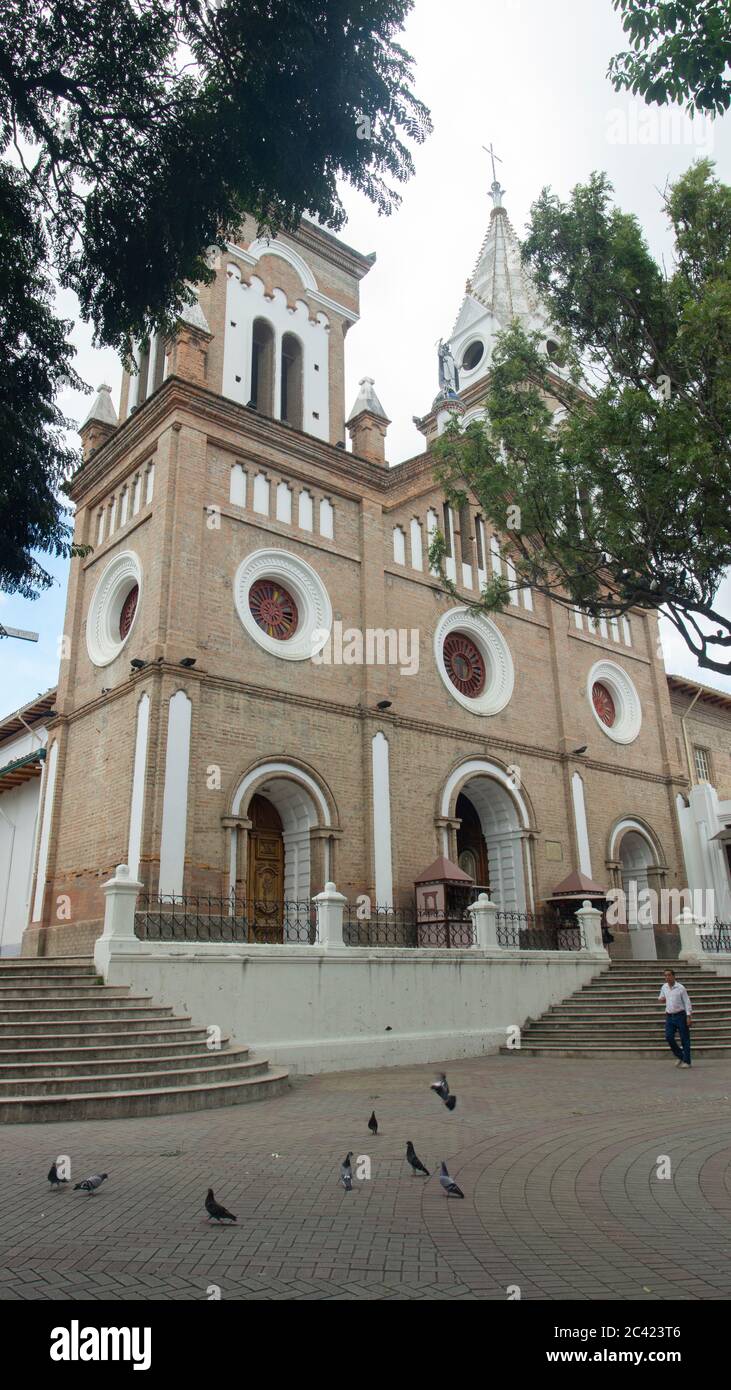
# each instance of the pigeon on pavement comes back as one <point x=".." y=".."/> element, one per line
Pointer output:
<point x="416" y="1163"/>
<point x="53" y="1177"/>
<point x="373" y="1124"/>
<point x="449" y="1185"/>
<point x="91" y="1184"/>
<point x="346" y="1172"/>
<point x="441" y="1088"/>
<point x="215" y="1211"/>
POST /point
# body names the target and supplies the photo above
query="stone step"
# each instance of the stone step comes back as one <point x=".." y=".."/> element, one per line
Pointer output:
<point x="58" y="965"/>
<point x="618" y="1050"/>
<point x="77" y="987"/>
<point x="197" y="1072"/>
<point x="114" y="1010"/>
<point x="141" y="1045"/>
<point x="562" y="1012"/>
<point x="108" y="1066"/>
<point x="137" y="1103"/>
<point x="63" y="1034"/>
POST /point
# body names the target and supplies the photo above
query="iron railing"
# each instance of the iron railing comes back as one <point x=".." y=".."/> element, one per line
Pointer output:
<point x="405" y="926"/>
<point x="529" y="931"/>
<point x="717" y="938"/>
<point x="201" y="917"/>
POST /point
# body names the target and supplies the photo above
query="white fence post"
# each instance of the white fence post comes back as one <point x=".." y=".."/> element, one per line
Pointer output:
<point x="590" y="919"/>
<point x="120" y="893"/>
<point x="330" y="907"/>
<point x="690" y="928"/>
<point x="484" y="920"/>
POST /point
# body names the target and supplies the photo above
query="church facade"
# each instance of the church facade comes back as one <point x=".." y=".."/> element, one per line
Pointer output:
<point x="263" y="686"/>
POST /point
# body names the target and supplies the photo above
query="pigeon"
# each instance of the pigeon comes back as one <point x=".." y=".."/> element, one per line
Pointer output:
<point x="91" y="1184"/>
<point x="441" y="1087"/>
<point x="449" y="1185"/>
<point x="215" y="1211"/>
<point x="373" y="1124"/>
<point x="416" y="1163"/>
<point x="346" y="1172"/>
<point x="53" y="1177"/>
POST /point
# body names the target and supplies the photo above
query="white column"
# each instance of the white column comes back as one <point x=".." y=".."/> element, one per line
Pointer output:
<point x="382" y="821"/>
<point x="138" y="786"/>
<point x="175" y="796"/>
<point x="689" y="927"/>
<point x="152" y="363"/>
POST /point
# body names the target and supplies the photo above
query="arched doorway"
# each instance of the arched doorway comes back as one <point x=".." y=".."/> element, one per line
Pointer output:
<point x="636" y="860"/>
<point x="265" y="866"/>
<point x="493" y="831"/>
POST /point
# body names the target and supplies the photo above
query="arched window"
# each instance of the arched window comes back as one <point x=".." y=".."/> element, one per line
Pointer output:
<point x="291" y="383"/>
<point x="262" y="367"/>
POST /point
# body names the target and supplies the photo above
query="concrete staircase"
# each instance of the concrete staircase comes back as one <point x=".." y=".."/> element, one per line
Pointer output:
<point x="617" y="1015"/>
<point x="73" y="1048"/>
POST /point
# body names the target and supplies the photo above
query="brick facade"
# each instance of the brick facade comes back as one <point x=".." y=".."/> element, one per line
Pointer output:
<point x="247" y="706"/>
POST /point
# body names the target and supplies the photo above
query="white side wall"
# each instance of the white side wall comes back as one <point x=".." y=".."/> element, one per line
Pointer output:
<point x="317" y="1010"/>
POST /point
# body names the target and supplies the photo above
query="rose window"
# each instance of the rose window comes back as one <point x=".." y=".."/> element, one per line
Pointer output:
<point x="603" y="704"/>
<point x="273" y="609"/>
<point x="129" y="608"/>
<point x="464" y="664"/>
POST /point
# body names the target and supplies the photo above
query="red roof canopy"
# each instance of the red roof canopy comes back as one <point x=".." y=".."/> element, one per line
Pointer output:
<point x="443" y="871"/>
<point x="578" y="885"/>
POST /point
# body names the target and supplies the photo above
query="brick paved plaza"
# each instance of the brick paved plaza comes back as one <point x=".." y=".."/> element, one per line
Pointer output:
<point x="557" y="1160"/>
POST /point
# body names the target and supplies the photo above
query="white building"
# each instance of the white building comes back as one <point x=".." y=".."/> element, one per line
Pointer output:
<point x="22" y="757"/>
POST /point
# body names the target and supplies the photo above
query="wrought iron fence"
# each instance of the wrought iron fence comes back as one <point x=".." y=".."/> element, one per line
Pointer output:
<point x="529" y="931"/>
<point x="405" y="926"/>
<point x="716" y="938"/>
<point x="200" y="917"/>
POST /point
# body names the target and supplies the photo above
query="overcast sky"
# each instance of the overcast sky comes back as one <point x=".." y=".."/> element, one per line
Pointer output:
<point x="530" y="77"/>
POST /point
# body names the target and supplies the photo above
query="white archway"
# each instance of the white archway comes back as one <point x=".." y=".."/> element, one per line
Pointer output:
<point x="632" y="848"/>
<point x="301" y="805"/>
<point x="504" y="819"/>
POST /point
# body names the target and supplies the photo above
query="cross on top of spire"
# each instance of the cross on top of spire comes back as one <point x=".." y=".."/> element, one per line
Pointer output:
<point x="496" y="192"/>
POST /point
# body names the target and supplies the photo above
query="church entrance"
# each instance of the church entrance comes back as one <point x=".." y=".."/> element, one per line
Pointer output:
<point x="265" y="873"/>
<point x="471" y="847"/>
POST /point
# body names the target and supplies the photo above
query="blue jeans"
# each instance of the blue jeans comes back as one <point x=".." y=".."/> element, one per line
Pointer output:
<point x="678" y="1022"/>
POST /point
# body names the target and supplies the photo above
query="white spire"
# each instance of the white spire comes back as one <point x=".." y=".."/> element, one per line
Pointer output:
<point x="367" y="400"/>
<point x="102" y="409"/>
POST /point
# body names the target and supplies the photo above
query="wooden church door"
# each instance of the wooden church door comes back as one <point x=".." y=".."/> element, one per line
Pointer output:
<point x="265" y="875"/>
<point x="471" y="847"/>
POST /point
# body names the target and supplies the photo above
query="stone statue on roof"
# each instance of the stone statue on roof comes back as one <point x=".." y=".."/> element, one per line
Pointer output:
<point x="448" y="373"/>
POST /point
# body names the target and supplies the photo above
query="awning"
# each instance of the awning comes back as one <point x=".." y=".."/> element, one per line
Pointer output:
<point x="22" y="770"/>
<point x="578" y="885"/>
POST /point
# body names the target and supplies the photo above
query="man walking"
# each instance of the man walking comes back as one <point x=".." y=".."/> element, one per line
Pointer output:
<point x="678" y="1016"/>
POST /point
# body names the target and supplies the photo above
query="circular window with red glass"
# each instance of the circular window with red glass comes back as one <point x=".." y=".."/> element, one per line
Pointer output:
<point x="129" y="608"/>
<point x="604" y="704"/>
<point x="464" y="664"/>
<point x="273" y="609"/>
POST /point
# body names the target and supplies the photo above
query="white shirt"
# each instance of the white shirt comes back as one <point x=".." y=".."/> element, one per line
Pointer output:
<point x="676" y="998"/>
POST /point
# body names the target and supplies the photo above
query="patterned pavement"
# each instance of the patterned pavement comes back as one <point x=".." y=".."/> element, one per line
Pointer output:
<point x="558" y="1160"/>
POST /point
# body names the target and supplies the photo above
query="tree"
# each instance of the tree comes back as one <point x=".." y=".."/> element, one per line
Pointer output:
<point x="608" y="469"/>
<point x="133" y="137"/>
<point x="680" y="51"/>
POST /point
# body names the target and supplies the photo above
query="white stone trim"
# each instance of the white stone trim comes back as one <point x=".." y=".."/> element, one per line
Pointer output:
<point x="103" y="642"/>
<point x="383" y="866"/>
<point x="137" y="805"/>
<point x="175" y="795"/>
<point x="626" y="701"/>
<point x="499" y="670"/>
<point x="263" y="771"/>
<point x="480" y="767"/>
<point x="313" y="603"/>
<point x="582" y="829"/>
<point x="621" y="829"/>
<point x="48" y="797"/>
